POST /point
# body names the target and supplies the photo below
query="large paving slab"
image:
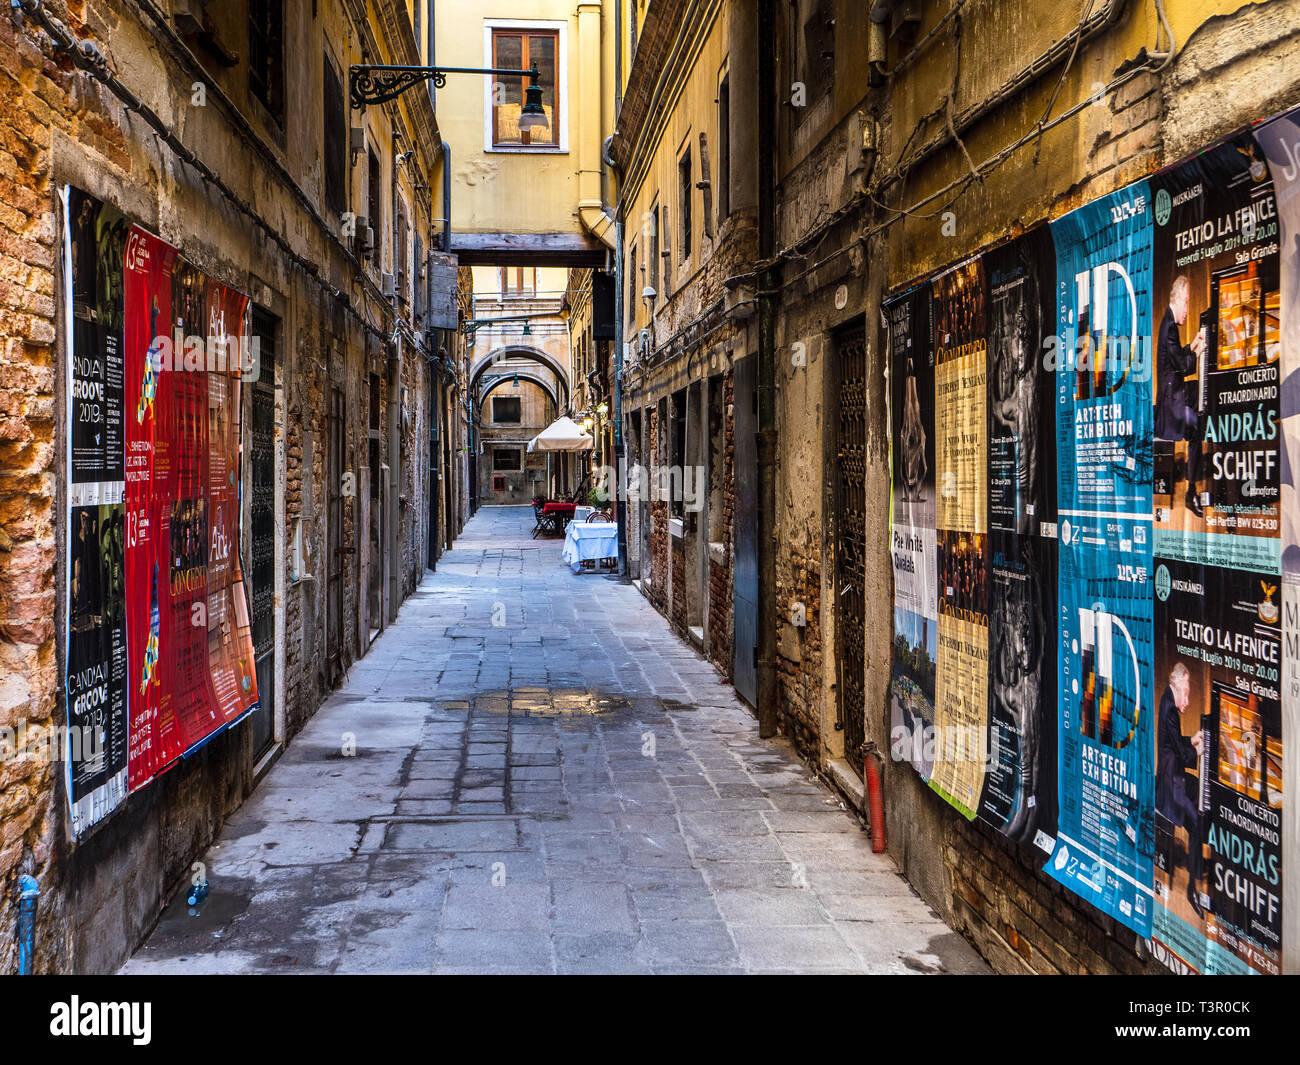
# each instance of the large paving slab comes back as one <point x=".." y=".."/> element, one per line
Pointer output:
<point x="539" y="777"/>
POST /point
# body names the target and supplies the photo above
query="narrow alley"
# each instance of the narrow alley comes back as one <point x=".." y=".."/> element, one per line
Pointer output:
<point x="530" y="773"/>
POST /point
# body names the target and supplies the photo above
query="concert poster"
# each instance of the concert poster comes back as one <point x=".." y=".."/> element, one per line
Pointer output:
<point x="1219" y="780"/>
<point x="959" y="331"/>
<point x="1217" y="341"/>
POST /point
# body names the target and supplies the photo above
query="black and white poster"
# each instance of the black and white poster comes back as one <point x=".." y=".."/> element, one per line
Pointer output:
<point x="1020" y="785"/>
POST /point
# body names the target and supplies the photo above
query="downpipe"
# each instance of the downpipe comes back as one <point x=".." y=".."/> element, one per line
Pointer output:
<point x="29" y="891"/>
<point x="766" y="696"/>
<point x="875" y="795"/>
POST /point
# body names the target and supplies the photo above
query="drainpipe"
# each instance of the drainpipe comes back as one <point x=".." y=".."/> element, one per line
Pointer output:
<point x="595" y="218"/>
<point x="767" y="435"/>
<point x="28" y="892"/>
<point x="877" y="44"/>
<point x="446" y="197"/>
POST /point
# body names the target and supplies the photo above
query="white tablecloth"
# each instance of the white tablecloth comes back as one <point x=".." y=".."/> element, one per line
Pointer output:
<point x="582" y="513"/>
<point x="585" y="540"/>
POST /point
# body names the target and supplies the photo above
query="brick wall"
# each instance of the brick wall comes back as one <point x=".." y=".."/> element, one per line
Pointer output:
<point x="720" y="618"/>
<point x="29" y="823"/>
<point x="658" y="590"/>
<point x="99" y="895"/>
<point x="1023" y="921"/>
<point x="799" y="650"/>
<point x="676" y="548"/>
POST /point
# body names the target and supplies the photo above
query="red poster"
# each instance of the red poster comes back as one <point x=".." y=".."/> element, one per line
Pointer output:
<point x="232" y="674"/>
<point x="181" y="475"/>
<point x="189" y="645"/>
<point x="148" y="264"/>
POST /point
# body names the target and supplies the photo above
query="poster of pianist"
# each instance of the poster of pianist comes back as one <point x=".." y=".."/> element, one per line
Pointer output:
<point x="1216" y="342"/>
<point x="1218" y="870"/>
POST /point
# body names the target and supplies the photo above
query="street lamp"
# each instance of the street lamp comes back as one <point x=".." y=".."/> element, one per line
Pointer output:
<point x="533" y="116"/>
<point x="376" y="83"/>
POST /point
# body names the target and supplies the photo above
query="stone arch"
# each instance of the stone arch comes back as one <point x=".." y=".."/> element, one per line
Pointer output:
<point x="523" y="351"/>
<point x="524" y="375"/>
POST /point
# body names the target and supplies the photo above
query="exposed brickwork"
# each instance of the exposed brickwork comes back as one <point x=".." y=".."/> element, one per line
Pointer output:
<point x="100" y="894"/>
<point x="799" y="650"/>
<point x="29" y="822"/>
<point x="720" y="618"/>
<point x="658" y="590"/>
<point x="678" y="616"/>
<point x="1020" y="919"/>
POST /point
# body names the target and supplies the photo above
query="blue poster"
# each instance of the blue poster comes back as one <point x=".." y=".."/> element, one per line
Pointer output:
<point x="1105" y="842"/>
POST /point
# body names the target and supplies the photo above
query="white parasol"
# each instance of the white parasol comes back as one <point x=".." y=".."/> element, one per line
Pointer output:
<point x="562" y="434"/>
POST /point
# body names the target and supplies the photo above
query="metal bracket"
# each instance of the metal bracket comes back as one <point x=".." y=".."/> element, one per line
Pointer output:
<point x="370" y="83"/>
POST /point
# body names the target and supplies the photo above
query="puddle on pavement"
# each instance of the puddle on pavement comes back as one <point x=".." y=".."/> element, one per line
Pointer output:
<point x="542" y="702"/>
<point x="183" y="928"/>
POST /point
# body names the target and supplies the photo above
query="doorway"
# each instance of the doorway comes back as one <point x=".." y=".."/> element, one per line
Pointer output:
<point x="262" y="531"/>
<point x="335" y="428"/>
<point x="745" y="421"/>
<point x="850" y="540"/>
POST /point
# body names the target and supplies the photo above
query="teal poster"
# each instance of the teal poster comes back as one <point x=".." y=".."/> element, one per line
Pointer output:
<point x="1105" y="846"/>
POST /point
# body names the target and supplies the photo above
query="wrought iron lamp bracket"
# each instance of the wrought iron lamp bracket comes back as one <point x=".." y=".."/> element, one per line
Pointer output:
<point x="370" y="83"/>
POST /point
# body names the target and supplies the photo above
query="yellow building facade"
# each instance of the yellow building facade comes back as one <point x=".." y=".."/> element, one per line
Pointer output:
<point x="539" y="195"/>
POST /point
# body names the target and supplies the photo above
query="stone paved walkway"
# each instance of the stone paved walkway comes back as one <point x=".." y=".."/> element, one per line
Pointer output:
<point x="545" y="779"/>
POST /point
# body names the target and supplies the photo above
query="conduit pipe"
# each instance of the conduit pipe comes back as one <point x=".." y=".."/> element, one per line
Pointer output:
<point x="1058" y="53"/>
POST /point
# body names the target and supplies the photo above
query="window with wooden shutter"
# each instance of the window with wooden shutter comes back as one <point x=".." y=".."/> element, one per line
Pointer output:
<point x="266" y="55"/>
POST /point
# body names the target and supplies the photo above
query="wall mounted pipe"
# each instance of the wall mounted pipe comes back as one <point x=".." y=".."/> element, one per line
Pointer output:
<point x="29" y="891"/>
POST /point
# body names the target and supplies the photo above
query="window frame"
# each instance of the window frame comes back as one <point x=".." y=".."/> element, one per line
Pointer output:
<point x="723" y="199"/>
<point x="685" y="208"/>
<point x="518" y="452"/>
<point x="522" y="291"/>
<point x="561" y="31"/>
<point x="274" y="100"/>
<point x="519" y="410"/>
<point x="334" y="150"/>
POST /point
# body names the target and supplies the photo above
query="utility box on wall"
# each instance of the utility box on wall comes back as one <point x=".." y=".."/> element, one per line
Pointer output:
<point x="442" y="291"/>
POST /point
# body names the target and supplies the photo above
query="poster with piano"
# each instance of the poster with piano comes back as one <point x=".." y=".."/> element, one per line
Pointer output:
<point x="959" y="331"/>
<point x="1105" y="843"/>
<point x="1216" y="342"/>
<point x="1218" y="769"/>
<point x="1020" y="784"/>
<point x="95" y="654"/>
<point x="1279" y="140"/>
<point x="911" y="384"/>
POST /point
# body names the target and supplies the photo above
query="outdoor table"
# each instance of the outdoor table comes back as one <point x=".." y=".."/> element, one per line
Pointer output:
<point x="590" y="541"/>
<point x="553" y="516"/>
